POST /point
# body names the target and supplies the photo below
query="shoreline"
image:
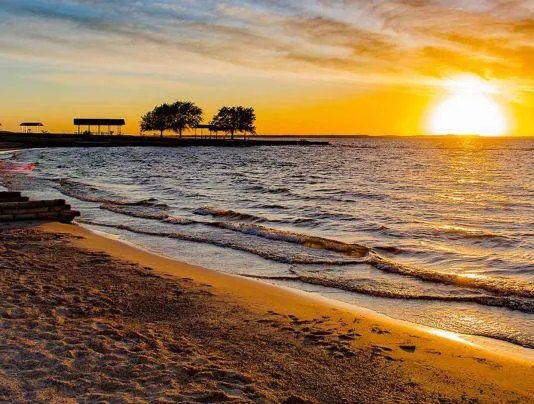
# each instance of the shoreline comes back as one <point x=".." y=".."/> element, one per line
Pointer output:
<point x="490" y="344"/>
<point x="487" y="344"/>
<point x="90" y="317"/>
<point x="99" y="240"/>
<point x="51" y="140"/>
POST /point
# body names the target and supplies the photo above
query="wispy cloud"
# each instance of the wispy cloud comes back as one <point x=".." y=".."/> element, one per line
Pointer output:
<point x="315" y="38"/>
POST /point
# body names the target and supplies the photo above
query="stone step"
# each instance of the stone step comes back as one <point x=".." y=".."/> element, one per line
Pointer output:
<point x="45" y="209"/>
<point x="15" y="207"/>
<point x="63" y="216"/>
<point x="12" y="197"/>
<point x="21" y="199"/>
<point x="32" y="204"/>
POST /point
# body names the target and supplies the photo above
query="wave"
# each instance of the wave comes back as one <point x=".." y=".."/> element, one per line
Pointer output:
<point x="520" y="301"/>
<point x="270" y="190"/>
<point x="269" y="206"/>
<point x="468" y="233"/>
<point x="88" y="193"/>
<point x="363" y="254"/>
<point x="148" y="212"/>
<point x="229" y="214"/>
<point x="142" y="211"/>
<point x="300" y="220"/>
<point x="179" y="220"/>
<point x="150" y="209"/>
<point x="354" y="250"/>
<point x="374" y="289"/>
<point x="390" y="249"/>
<point x="501" y="286"/>
<point x="272" y="254"/>
<point x="505" y="292"/>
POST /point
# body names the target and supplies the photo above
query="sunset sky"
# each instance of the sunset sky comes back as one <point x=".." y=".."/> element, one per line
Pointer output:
<point x="308" y="67"/>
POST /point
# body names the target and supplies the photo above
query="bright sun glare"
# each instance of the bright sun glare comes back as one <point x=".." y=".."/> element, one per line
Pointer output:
<point x="469" y="108"/>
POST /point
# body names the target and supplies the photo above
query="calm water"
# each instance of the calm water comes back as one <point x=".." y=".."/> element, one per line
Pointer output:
<point x="438" y="231"/>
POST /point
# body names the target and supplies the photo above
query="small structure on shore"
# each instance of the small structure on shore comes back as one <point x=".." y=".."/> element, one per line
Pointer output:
<point x="15" y="207"/>
<point x="99" y="123"/>
<point x="26" y="127"/>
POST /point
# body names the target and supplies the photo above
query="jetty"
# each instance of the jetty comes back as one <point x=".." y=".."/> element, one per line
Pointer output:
<point x="14" y="207"/>
<point x="46" y="140"/>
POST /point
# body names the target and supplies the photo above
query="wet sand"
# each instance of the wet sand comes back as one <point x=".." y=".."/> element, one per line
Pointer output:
<point x="88" y="318"/>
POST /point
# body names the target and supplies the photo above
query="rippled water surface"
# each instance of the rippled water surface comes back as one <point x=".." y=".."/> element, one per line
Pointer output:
<point x="438" y="231"/>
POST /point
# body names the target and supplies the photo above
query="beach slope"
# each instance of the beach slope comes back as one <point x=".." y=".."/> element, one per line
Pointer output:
<point x="84" y="317"/>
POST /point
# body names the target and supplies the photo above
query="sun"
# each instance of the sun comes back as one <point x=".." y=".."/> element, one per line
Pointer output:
<point x="468" y="108"/>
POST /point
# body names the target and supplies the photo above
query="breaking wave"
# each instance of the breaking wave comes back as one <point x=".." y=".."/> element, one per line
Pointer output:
<point x="353" y="250"/>
<point x="348" y="253"/>
<point x="141" y="211"/>
<point x="467" y="233"/>
<point x="377" y="290"/>
<point x="88" y="193"/>
<point x="501" y="286"/>
<point x="228" y="214"/>
<point x="489" y="291"/>
<point x="264" y="251"/>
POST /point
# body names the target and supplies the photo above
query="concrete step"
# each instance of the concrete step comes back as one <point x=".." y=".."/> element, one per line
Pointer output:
<point x="15" y="207"/>
<point x="63" y="216"/>
<point x="45" y="209"/>
<point x="32" y="204"/>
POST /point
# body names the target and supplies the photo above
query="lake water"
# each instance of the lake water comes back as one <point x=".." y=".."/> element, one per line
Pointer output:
<point x="437" y="231"/>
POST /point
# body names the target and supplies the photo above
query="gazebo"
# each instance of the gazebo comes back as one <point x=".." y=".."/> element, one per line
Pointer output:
<point x="26" y="127"/>
<point x="99" y="122"/>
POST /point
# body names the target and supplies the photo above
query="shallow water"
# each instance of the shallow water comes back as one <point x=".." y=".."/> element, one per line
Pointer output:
<point x="438" y="231"/>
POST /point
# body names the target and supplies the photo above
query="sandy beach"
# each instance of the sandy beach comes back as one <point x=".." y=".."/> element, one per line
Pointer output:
<point x="86" y="318"/>
<point x="252" y="201"/>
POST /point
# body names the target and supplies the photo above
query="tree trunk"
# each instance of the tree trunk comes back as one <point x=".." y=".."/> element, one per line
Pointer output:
<point x="232" y="135"/>
<point x="161" y="133"/>
<point x="180" y="132"/>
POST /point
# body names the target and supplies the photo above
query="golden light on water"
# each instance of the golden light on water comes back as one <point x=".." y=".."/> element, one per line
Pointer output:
<point x="469" y="108"/>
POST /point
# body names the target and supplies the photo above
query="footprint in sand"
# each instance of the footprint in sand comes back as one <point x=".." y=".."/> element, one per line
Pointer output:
<point x="349" y="337"/>
<point x="264" y="321"/>
<point x="381" y="351"/>
<point x="380" y="331"/>
<point x="433" y="352"/>
<point x="378" y="349"/>
<point x="338" y="351"/>
<point x="321" y="333"/>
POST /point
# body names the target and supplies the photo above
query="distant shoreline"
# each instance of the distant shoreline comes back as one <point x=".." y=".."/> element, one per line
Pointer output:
<point x="332" y="136"/>
<point x="25" y="140"/>
<point x="277" y="136"/>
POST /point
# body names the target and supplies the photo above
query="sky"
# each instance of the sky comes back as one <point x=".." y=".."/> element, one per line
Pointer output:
<point x="306" y="66"/>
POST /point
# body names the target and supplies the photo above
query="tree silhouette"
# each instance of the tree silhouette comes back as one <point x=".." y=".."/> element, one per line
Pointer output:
<point x="157" y="119"/>
<point x="176" y="117"/>
<point x="235" y="119"/>
<point x="184" y="115"/>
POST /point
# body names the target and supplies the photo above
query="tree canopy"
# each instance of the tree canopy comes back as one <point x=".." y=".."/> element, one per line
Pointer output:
<point x="157" y="119"/>
<point x="177" y="117"/>
<point x="236" y="119"/>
